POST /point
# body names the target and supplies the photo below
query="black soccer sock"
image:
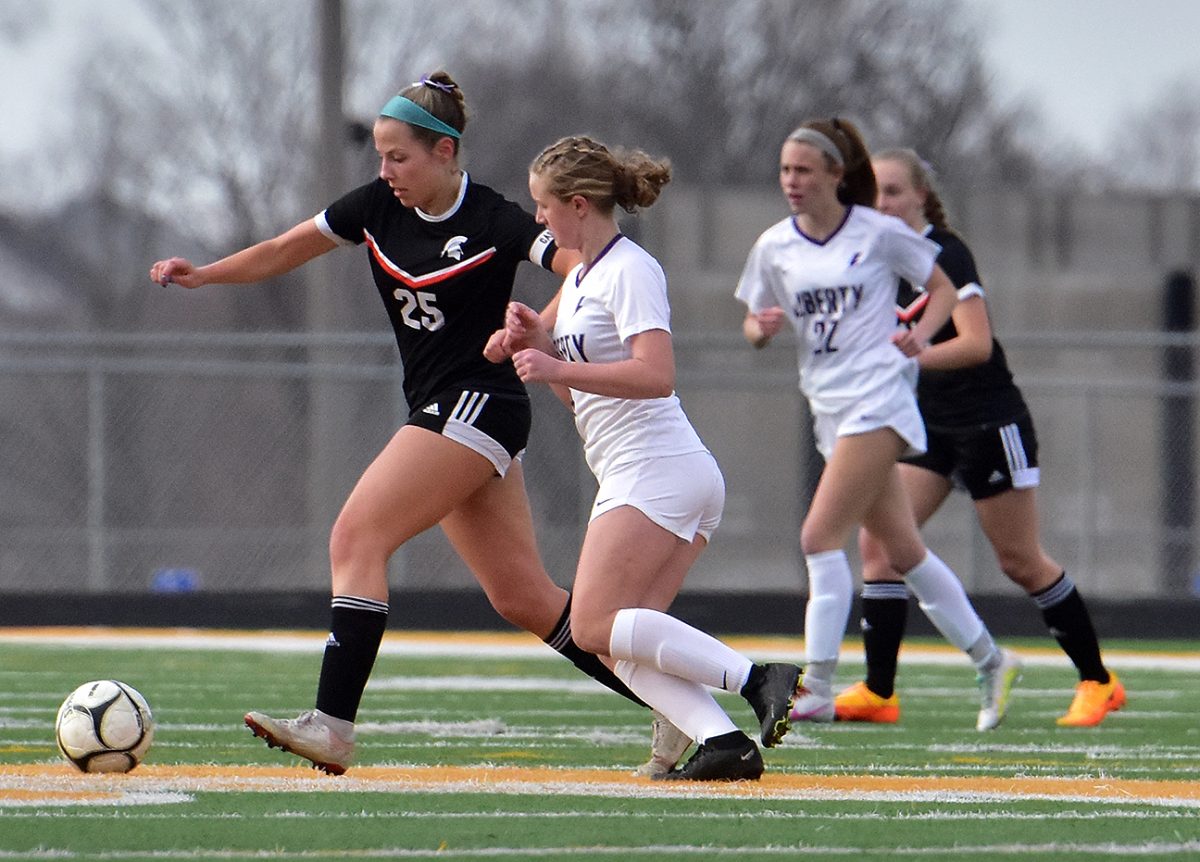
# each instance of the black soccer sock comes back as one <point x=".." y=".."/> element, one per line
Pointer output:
<point x="354" y="636"/>
<point x="1069" y="622"/>
<point x="884" y="618"/>
<point x="562" y="642"/>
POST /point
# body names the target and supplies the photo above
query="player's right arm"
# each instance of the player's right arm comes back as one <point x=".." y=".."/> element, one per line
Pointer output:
<point x="759" y="328"/>
<point x="264" y="260"/>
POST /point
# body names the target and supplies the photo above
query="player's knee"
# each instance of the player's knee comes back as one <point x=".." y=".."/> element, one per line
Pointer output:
<point x="515" y="610"/>
<point x="350" y="543"/>
<point x="815" y="540"/>
<point x="591" y="632"/>
<point x="875" y="565"/>
<point x="1030" y="571"/>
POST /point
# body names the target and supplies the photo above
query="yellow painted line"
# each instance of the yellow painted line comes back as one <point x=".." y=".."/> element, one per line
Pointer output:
<point x="53" y="780"/>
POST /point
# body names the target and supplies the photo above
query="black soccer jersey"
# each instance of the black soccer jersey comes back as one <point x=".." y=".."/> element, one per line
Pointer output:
<point x="445" y="281"/>
<point x="983" y="394"/>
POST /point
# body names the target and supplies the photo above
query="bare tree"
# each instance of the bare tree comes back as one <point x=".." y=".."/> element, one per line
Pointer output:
<point x="723" y="83"/>
<point x="1157" y="147"/>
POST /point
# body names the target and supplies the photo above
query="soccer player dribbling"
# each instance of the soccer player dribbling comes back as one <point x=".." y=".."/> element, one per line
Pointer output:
<point x="443" y="250"/>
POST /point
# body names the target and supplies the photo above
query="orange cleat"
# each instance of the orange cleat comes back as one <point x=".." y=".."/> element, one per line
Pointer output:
<point x="859" y="703"/>
<point x="1094" y="700"/>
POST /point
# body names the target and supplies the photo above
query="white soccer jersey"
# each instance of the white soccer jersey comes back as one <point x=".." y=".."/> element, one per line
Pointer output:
<point x="840" y="295"/>
<point x="601" y="308"/>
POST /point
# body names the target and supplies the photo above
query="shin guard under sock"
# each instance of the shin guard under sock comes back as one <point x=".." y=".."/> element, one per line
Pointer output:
<point x="355" y="632"/>
<point x="1068" y="620"/>
<point x="884" y="618"/>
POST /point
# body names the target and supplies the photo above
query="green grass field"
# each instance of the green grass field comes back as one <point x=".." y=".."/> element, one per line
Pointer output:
<point x="490" y="746"/>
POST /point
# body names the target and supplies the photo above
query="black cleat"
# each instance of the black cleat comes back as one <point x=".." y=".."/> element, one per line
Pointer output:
<point x="772" y="700"/>
<point x="743" y="763"/>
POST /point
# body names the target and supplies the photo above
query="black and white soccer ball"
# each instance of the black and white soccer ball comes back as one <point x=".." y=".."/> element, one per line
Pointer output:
<point x="104" y="726"/>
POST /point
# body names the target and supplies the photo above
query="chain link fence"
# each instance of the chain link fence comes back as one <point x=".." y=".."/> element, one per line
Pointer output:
<point x="169" y="462"/>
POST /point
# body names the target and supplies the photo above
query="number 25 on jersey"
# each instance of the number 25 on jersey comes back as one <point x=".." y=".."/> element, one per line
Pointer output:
<point x="418" y="309"/>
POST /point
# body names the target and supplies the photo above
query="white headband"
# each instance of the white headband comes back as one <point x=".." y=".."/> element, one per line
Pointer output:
<point x="805" y="135"/>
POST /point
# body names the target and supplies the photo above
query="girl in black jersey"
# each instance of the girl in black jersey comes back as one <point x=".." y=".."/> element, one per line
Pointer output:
<point x="980" y="434"/>
<point x="443" y="251"/>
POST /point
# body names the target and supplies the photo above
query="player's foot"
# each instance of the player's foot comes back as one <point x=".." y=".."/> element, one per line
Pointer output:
<point x="1094" y="700"/>
<point x="743" y="763"/>
<point x="667" y="745"/>
<point x="772" y="699"/>
<point x="859" y="703"/>
<point x="812" y="705"/>
<point x="995" y="688"/>
<point x="309" y="735"/>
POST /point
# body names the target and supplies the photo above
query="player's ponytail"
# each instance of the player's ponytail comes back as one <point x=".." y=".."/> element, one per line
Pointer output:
<point x="579" y="165"/>
<point x="848" y="151"/>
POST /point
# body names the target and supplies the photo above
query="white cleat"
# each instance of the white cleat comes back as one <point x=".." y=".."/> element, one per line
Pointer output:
<point x="309" y="735"/>
<point x="811" y="706"/>
<point x="667" y="745"/>
<point x="995" y="690"/>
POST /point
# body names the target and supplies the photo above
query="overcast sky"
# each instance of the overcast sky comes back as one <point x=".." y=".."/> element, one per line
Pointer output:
<point x="1083" y="62"/>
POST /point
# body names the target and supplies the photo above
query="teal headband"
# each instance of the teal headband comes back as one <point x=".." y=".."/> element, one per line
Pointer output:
<point x="407" y="111"/>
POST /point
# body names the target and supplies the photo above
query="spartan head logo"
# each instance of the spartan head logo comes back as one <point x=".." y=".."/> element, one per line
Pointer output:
<point x="453" y="247"/>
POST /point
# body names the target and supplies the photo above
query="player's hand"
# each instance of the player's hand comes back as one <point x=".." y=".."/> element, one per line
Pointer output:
<point x="497" y="349"/>
<point x="523" y="329"/>
<point x="909" y="344"/>
<point x="534" y="366"/>
<point x="770" y="321"/>
<point x="175" y="270"/>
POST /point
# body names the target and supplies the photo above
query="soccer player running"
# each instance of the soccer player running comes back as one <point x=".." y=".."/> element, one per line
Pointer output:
<point x="609" y="358"/>
<point x="980" y="435"/>
<point x="443" y="250"/>
<point x="832" y="269"/>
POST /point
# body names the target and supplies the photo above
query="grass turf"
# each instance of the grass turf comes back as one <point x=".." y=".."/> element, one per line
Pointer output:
<point x="486" y="752"/>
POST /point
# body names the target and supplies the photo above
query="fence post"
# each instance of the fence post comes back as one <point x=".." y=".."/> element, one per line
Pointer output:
<point x="97" y="480"/>
<point x="1176" y="556"/>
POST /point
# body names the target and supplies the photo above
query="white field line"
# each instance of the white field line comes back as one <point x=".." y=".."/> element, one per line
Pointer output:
<point x="516" y="645"/>
<point x="936" y="815"/>
<point x="1056" y="850"/>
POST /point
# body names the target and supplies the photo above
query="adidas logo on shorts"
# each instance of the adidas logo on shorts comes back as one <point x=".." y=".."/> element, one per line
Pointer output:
<point x="432" y="410"/>
<point x="996" y="478"/>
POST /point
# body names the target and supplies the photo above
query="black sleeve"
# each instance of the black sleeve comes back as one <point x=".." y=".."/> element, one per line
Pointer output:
<point x="527" y="239"/>
<point x="347" y="216"/>
<point x="956" y="260"/>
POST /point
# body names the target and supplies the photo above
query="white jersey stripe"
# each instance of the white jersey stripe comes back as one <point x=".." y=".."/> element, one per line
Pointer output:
<point x="430" y="277"/>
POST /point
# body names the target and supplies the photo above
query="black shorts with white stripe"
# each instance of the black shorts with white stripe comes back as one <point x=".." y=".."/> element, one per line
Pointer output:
<point x="494" y="425"/>
<point x="986" y="460"/>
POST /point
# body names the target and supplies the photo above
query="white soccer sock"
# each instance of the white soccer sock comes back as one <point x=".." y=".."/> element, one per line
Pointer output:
<point x="943" y="599"/>
<point x="687" y="705"/>
<point x="673" y="647"/>
<point x="830" y="592"/>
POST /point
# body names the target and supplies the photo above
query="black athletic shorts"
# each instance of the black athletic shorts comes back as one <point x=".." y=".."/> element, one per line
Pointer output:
<point x="986" y="460"/>
<point x="495" y="426"/>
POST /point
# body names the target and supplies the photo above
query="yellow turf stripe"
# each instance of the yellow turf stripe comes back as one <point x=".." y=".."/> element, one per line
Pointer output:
<point x="48" y="780"/>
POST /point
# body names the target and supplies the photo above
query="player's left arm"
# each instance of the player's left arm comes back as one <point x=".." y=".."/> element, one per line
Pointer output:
<point x="942" y="300"/>
<point x="648" y="373"/>
<point x="972" y="345"/>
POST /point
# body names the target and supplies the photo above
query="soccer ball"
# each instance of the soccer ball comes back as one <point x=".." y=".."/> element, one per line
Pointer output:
<point x="104" y="726"/>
